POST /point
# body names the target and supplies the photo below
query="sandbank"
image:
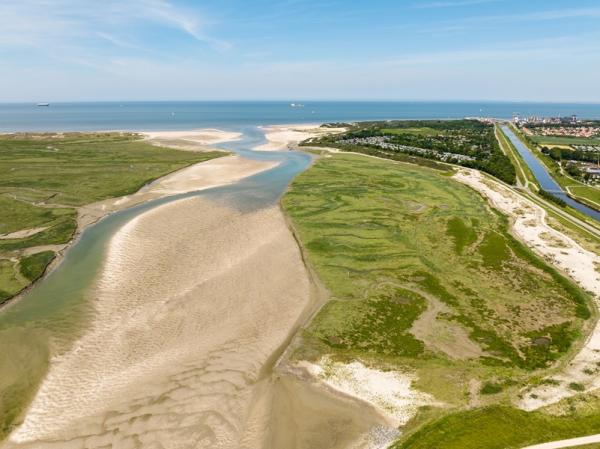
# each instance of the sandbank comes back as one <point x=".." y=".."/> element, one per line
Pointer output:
<point x="204" y="175"/>
<point x="192" y="301"/>
<point x="281" y="137"/>
<point x="194" y="140"/>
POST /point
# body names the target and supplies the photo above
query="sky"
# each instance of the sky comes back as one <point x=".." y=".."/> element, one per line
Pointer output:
<point x="94" y="50"/>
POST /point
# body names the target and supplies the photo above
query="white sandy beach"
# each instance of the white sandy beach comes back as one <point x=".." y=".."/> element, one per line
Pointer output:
<point x="389" y="392"/>
<point x="281" y="137"/>
<point x="529" y="225"/>
<point x="194" y="140"/>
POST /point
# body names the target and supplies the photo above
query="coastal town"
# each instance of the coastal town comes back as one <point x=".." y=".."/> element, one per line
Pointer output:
<point x="573" y="144"/>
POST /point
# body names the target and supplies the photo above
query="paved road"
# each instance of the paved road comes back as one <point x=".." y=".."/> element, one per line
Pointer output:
<point x="573" y="442"/>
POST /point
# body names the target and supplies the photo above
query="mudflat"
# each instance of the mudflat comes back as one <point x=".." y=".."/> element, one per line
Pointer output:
<point x="193" y="300"/>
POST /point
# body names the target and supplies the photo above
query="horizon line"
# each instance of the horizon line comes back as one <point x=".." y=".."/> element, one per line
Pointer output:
<point x="315" y="100"/>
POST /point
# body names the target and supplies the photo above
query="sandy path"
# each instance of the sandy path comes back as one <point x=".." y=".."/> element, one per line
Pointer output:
<point x="280" y="137"/>
<point x="23" y="233"/>
<point x="204" y="175"/>
<point x="193" y="300"/>
<point x="574" y="442"/>
<point x="529" y="225"/>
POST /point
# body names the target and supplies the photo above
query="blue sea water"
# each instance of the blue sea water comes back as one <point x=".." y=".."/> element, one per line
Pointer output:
<point x="143" y="116"/>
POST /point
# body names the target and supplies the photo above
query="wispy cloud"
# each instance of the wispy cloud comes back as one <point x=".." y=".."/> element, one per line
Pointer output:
<point x="72" y="23"/>
<point x="538" y="16"/>
<point x="451" y="4"/>
<point x="585" y="46"/>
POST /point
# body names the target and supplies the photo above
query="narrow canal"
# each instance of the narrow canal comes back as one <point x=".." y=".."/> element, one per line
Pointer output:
<point x="544" y="178"/>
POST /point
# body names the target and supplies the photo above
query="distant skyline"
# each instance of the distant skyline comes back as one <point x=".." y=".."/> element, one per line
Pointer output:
<point x="135" y="50"/>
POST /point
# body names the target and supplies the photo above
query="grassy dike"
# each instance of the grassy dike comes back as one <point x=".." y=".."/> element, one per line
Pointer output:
<point x="579" y="191"/>
<point x="45" y="177"/>
<point x="393" y="242"/>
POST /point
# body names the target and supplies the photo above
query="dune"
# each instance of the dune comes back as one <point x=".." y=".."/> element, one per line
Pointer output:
<point x="530" y="226"/>
<point x="280" y="137"/>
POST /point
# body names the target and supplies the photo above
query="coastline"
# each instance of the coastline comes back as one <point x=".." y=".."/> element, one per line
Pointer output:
<point x="223" y="170"/>
<point x="282" y="137"/>
<point x="158" y="333"/>
<point x="128" y="255"/>
<point x="277" y="380"/>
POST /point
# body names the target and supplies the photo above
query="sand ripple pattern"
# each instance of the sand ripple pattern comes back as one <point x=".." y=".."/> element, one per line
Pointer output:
<point x="193" y="300"/>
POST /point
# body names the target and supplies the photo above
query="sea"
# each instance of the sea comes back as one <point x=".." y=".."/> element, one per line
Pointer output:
<point x="184" y="115"/>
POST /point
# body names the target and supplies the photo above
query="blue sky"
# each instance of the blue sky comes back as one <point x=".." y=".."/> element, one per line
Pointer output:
<point x="544" y="50"/>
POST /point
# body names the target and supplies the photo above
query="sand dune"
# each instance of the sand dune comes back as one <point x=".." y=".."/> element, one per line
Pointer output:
<point x="280" y="137"/>
<point x="529" y="224"/>
<point x="195" y="140"/>
<point x="193" y="300"/>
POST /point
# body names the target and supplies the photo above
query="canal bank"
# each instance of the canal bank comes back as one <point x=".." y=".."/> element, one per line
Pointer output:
<point x="543" y="177"/>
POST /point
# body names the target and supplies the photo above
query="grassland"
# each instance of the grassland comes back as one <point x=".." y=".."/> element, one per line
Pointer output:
<point x="390" y="241"/>
<point x="501" y="427"/>
<point x="45" y="177"/>
<point x="551" y="140"/>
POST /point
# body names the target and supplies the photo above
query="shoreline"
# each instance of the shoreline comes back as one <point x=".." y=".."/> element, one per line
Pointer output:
<point x="277" y="372"/>
<point x="282" y="137"/>
<point x="273" y="373"/>
<point x="146" y="339"/>
<point x="90" y="214"/>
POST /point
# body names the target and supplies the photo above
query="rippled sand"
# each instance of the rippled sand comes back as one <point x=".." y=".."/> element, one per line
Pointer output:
<point x="201" y="176"/>
<point x="194" y="300"/>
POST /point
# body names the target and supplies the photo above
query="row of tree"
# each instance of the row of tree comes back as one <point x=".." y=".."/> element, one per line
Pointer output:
<point x="465" y="137"/>
<point x="559" y="154"/>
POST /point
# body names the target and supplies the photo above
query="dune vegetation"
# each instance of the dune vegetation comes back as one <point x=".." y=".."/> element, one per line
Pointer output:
<point x="45" y="177"/>
<point x="425" y="276"/>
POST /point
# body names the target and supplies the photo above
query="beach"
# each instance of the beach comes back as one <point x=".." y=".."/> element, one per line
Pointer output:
<point x="192" y="140"/>
<point x="197" y="308"/>
<point x="193" y="307"/>
<point x="282" y="137"/>
<point x="530" y="226"/>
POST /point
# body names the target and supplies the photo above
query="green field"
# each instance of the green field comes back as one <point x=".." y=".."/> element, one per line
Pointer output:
<point x="588" y="192"/>
<point x="501" y="427"/>
<point x="391" y="240"/>
<point x="550" y="140"/>
<point x="44" y="177"/>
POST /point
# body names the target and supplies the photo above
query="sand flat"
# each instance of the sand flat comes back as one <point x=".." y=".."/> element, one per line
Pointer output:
<point x="193" y="140"/>
<point x="193" y="299"/>
<point x="204" y="175"/>
<point x="280" y="137"/>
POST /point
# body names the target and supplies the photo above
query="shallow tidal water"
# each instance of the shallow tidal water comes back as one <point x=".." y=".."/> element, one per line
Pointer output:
<point x="53" y="315"/>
